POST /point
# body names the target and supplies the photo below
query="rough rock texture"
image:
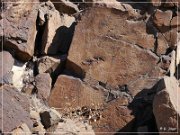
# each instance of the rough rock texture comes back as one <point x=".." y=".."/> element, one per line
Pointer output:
<point x="108" y="49"/>
<point x="71" y="92"/>
<point x="58" y="29"/>
<point x="166" y="102"/>
<point x="114" y="117"/>
<point x="47" y="64"/>
<point x="6" y="64"/>
<point x="19" y="28"/>
<point x="13" y="114"/>
<point x="162" y="18"/>
<point x="43" y="86"/>
<point x="166" y="25"/>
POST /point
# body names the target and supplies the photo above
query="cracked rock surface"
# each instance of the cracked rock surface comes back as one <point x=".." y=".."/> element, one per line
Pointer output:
<point x="75" y="67"/>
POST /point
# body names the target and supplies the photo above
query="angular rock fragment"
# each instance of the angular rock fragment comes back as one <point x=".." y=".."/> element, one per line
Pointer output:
<point x="71" y="92"/>
<point x="162" y="18"/>
<point x="58" y="30"/>
<point x="165" y="105"/>
<point x="48" y="64"/>
<point x="19" y="28"/>
<point x="43" y="86"/>
<point x="13" y="114"/>
<point x="6" y="64"/>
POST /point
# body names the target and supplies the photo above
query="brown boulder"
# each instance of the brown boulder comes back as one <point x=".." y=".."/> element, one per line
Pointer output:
<point x="71" y="92"/>
<point x="15" y="108"/>
<point x="106" y="48"/>
<point x="43" y="86"/>
<point x="6" y="64"/>
<point x="19" y="25"/>
<point x="165" y="105"/>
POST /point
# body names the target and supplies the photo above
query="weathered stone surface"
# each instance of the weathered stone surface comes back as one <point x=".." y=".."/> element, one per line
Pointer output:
<point x="22" y="129"/>
<point x="165" y="105"/>
<point x="19" y="28"/>
<point x="48" y="64"/>
<point x="15" y="109"/>
<point x="71" y="92"/>
<point x="167" y="26"/>
<point x="43" y="86"/>
<point x="106" y="48"/>
<point x="162" y="18"/>
<point x="6" y="64"/>
<point x="58" y="29"/>
<point x="114" y="117"/>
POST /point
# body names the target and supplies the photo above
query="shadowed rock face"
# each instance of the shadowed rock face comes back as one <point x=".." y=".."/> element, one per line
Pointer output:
<point x="16" y="109"/>
<point x="19" y="28"/>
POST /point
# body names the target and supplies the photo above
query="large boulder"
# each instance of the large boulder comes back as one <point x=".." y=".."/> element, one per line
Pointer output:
<point x="6" y="64"/>
<point x="71" y="92"/>
<point x="165" y="105"/>
<point x="19" y="28"/>
<point x="15" y="109"/>
<point x="105" y="50"/>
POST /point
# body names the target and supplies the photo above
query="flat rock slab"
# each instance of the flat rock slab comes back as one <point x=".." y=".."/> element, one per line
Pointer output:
<point x="105" y="50"/>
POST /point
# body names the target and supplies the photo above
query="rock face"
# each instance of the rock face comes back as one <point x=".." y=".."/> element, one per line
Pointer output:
<point x="119" y="114"/>
<point x="108" y="51"/>
<point x="14" y="114"/>
<point x="19" y="29"/>
<point x="166" y="102"/>
<point x="71" y="92"/>
<point x="6" y="64"/>
<point x="58" y="28"/>
<point x="43" y="86"/>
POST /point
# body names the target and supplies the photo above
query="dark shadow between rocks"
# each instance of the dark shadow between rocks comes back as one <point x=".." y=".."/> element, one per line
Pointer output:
<point x="142" y="109"/>
<point x="127" y="128"/>
<point x="73" y="69"/>
<point x="177" y="73"/>
<point x="62" y="40"/>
